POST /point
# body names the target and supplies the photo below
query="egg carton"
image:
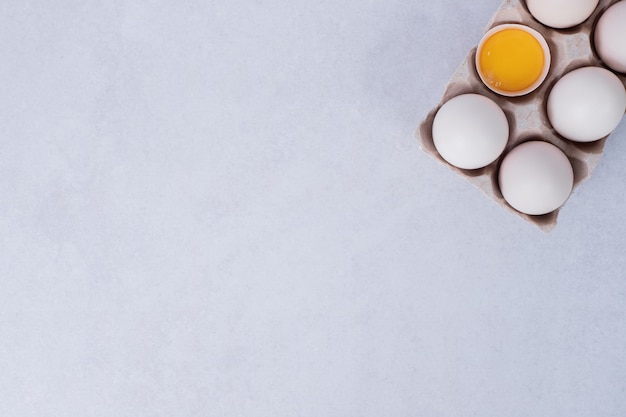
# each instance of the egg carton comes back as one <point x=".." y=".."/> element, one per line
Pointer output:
<point x="527" y="115"/>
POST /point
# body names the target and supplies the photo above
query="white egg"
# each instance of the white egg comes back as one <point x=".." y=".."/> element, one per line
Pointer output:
<point x="470" y="131"/>
<point x="561" y="14"/>
<point x="587" y="104"/>
<point x="610" y="37"/>
<point x="536" y="178"/>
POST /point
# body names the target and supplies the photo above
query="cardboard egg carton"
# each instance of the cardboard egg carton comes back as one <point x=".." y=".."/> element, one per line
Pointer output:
<point x="527" y="115"/>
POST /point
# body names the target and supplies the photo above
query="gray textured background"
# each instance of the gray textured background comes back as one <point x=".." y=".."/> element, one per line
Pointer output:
<point x="217" y="208"/>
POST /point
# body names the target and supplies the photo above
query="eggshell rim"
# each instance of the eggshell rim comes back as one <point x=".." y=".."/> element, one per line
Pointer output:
<point x="546" y="53"/>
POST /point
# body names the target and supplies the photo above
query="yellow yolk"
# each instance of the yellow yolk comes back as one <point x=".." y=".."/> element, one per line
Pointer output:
<point x="511" y="60"/>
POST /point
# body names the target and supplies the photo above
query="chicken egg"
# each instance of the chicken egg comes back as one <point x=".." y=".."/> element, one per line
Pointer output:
<point x="561" y="14"/>
<point x="610" y="37"/>
<point x="512" y="60"/>
<point x="470" y="131"/>
<point x="536" y="178"/>
<point x="587" y="104"/>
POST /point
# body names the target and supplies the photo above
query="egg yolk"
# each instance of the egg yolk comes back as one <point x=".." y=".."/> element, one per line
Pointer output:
<point x="511" y="60"/>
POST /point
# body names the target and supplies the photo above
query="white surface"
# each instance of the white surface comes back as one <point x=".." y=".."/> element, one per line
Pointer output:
<point x="218" y="209"/>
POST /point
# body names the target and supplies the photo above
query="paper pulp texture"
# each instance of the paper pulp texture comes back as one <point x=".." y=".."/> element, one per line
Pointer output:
<point x="527" y="115"/>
